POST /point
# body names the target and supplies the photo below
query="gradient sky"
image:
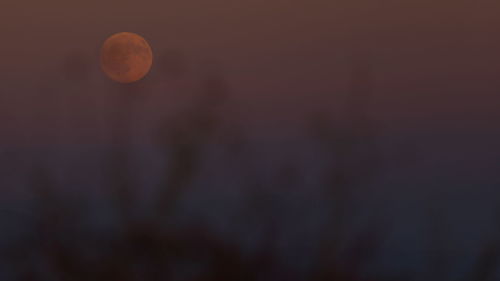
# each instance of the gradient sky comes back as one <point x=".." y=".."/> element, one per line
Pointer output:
<point x="435" y="85"/>
<point x="435" y="63"/>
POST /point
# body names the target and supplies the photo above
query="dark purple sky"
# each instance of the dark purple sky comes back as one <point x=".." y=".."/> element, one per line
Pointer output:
<point x="434" y="63"/>
<point x="435" y="86"/>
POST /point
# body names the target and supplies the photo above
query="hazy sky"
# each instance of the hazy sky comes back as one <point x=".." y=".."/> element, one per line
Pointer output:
<point x="435" y="75"/>
<point x="433" y="62"/>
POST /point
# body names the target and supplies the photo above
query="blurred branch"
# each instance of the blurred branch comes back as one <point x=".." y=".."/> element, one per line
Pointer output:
<point x="354" y="159"/>
<point x="187" y="139"/>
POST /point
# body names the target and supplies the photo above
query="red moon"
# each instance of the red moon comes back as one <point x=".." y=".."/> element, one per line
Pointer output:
<point x="126" y="57"/>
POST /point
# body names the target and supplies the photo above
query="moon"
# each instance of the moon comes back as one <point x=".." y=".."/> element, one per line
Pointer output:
<point x="126" y="57"/>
